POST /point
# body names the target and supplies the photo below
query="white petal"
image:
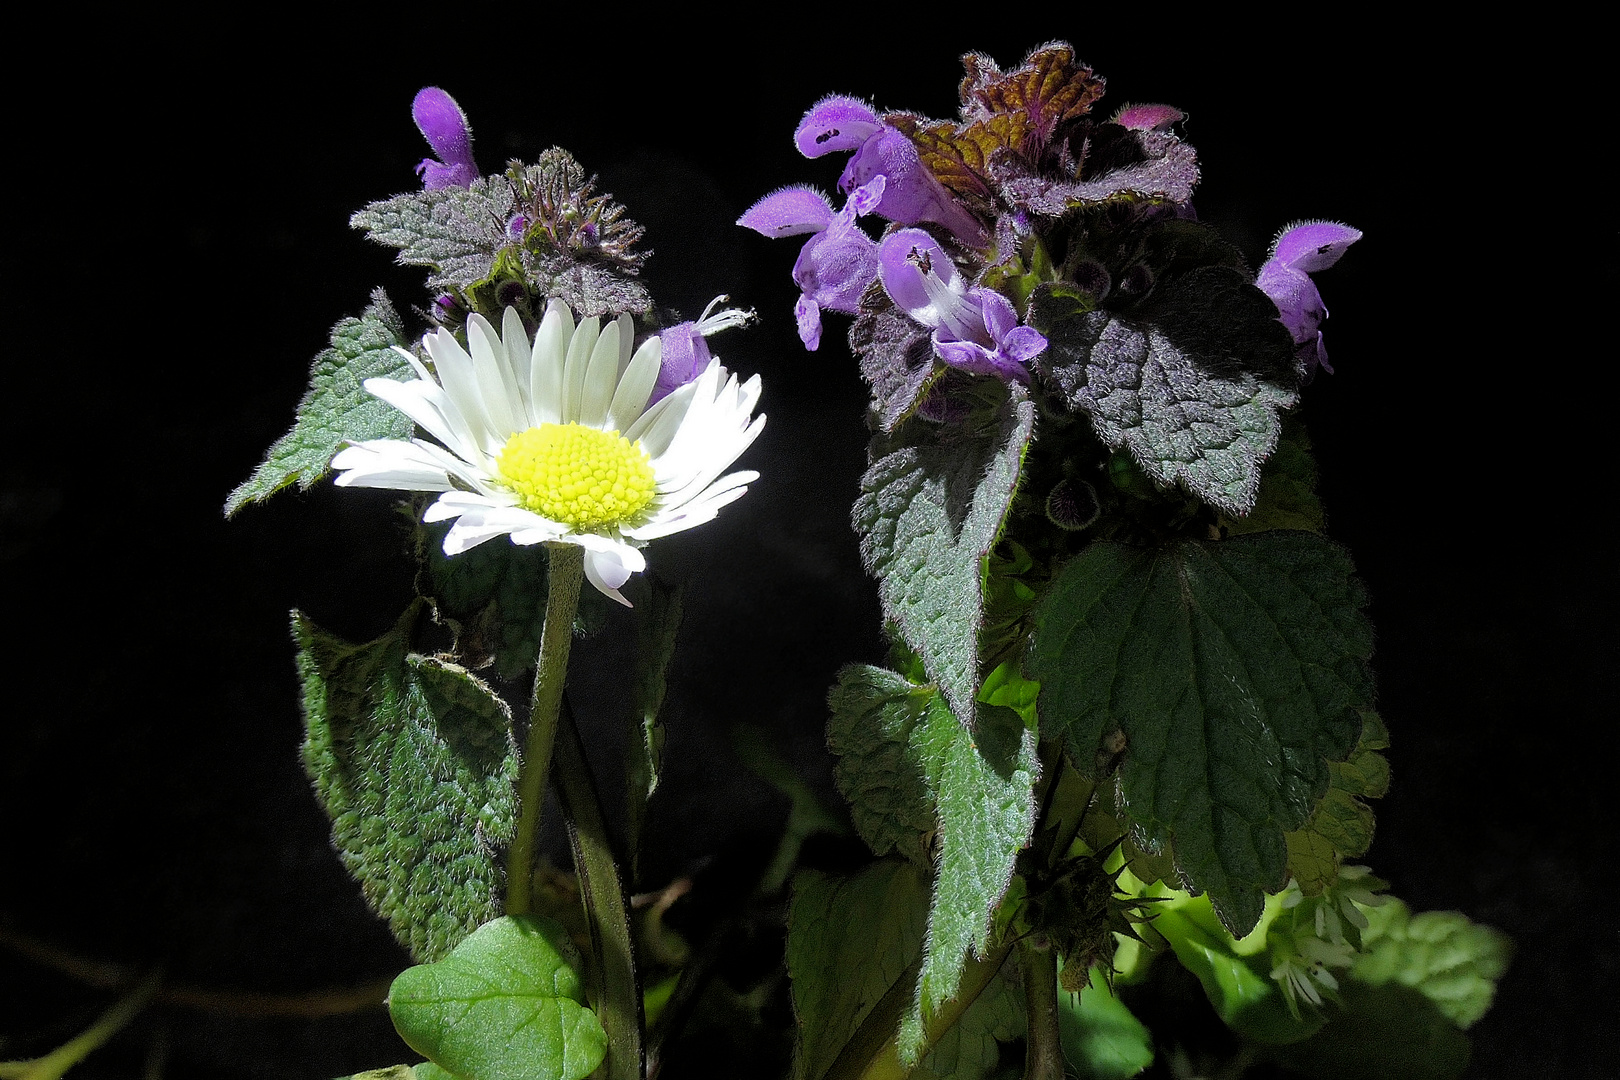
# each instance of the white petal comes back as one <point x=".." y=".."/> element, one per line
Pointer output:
<point x="547" y="362"/>
<point x="601" y="378"/>
<point x="416" y="365"/>
<point x="455" y="370"/>
<point x="519" y="353"/>
<point x="428" y="405"/>
<point x="390" y="463"/>
<point x="627" y="338"/>
<point x="579" y="359"/>
<point x="636" y="385"/>
<point x="658" y="424"/>
<point x="606" y="570"/>
<point x="496" y="386"/>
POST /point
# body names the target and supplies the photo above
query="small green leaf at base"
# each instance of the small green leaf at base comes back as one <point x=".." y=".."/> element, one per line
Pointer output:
<point x="506" y="1004"/>
<point x="1102" y="1039"/>
<point x="336" y="408"/>
<point x="1443" y="955"/>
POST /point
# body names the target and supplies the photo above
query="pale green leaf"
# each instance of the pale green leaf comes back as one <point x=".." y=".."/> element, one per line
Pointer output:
<point x="455" y="232"/>
<point x="336" y="408"/>
<point x="1235" y="672"/>
<point x="931" y="508"/>
<point x="1341" y="826"/>
<point x="970" y="1049"/>
<point x="506" y="1004"/>
<point x="1102" y="1038"/>
<point x="1452" y="961"/>
<point x="413" y="760"/>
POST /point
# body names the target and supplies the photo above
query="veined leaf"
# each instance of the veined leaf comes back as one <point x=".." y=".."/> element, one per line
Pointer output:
<point x="336" y="408"/>
<point x="506" y="1004"/>
<point x="904" y="753"/>
<point x="1341" y="826"/>
<point x="1231" y="674"/>
<point x="931" y="508"/>
<point x="1450" y="960"/>
<point x="413" y="760"/>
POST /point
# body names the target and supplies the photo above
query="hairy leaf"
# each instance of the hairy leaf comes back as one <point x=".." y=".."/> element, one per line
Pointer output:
<point x="496" y="595"/>
<point x="897" y="359"/>
<point x="931" y="507"/>
<point x="506" y="1004"/>
<point x="1453" y="962"/>
<point x="1162" y="166"/>
<point x="1102" y="1039"/>
<point x="970" y="1049"/>
<point x="903" y="752"/>
<point x="413" y="760"/>
<point x="336" y="408"/>
<point x="455" y="232"/>
<point x="1190" y="383"/>
<point x="1230" y="673"/>
<point x="1287" y="497"/>
<point x="849" y="940"/>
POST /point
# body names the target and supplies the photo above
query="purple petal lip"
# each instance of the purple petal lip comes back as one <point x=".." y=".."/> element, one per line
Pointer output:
<point x="835" y="123"/>
<point x="1312" y="245"/>
<point x="789" y="211"/>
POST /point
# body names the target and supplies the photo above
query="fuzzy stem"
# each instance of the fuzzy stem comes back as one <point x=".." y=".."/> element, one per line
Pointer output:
<point x="565" y="571"/>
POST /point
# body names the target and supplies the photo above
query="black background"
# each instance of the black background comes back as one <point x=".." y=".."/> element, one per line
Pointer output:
<point x="180" y="250"/>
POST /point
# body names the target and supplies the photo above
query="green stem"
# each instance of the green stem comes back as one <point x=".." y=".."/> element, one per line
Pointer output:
<point x="56" y="1063"/>
<point x="618" y="993"/>
<point x="566" y="570"/>
<point x="1043" y="1060"/>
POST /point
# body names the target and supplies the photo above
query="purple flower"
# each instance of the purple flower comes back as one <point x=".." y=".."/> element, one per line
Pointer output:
<point x="975" y="329"/>
<point x="1148" y="117"/>
<point x="1301" y="250"/>
<point x="445" y="127"/>
<point x="686" y="353"/>
<point x="912" y="194"/>
<point x="837" y="263"/>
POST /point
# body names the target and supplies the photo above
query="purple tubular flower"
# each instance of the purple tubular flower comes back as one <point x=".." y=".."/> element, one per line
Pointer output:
<point x="686" y="353"/>
<point x="837" y="263"/>
<point x="1148" y="117"/>
<point x="912" y="194"/>
<point x="975" y="329"/>
<point x="1298" y="251"/>
<point x="445" y="127"/>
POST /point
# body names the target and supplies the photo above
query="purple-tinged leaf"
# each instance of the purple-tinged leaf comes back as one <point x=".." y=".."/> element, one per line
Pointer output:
<point x="1149" y="117"/>
<point x="835" y="123"/>
<point x="897" y="360"/>
<point x="1167" y="169"/>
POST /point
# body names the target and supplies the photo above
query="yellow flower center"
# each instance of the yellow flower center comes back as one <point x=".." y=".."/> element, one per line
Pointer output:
<point x="578" y="476"/>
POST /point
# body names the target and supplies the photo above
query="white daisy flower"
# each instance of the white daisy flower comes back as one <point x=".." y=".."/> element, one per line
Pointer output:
<point x="554" y="441"/>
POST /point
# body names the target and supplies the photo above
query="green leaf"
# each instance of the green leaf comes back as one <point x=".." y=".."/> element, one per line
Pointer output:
<point x="413" y="760"/>
<point x="336" y="408"/>
<point x="1235" y="673"/>
<point x="1453" y="962"/>
<point x="429" y="1071"/>
<point x="1102" y="1038"/>
<point x="1190" y="383"/>
<point x="931" y="508"/>
<point x="1383" y="1033"/>
<point x="456" y="232"/>
<point x="849" y="940"/>
<point x="1341" y="826"/>
<point x="658" y="622"/>
<point x="1235" y="974"/>
<point x="1287" y="497"/>
<point x="910" y="770"/>
<point x="897" y="359"/>
<point x="496" y="595"/>
<point x="506" y="1004"/>
<point x="971" y="1048"/>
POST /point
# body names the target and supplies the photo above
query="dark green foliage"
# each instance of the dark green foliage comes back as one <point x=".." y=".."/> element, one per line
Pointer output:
<point x="454" y="232"/>
<point x="413" y="761"/>
<point x="931" y="507"/>
<point x="1341" y="826"/>
<point x="336" y="408"/>
<point x="904" y="753"/>
<point x="1189" y="382"/>
<point x="1229" y="674"/>
<point x="849" y="940"/>
<point x="897" y="359"/>
<point x="495" y="596"/>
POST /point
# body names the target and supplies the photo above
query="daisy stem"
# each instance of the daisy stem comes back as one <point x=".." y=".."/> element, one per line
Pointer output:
<point x="565" y="571"/>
